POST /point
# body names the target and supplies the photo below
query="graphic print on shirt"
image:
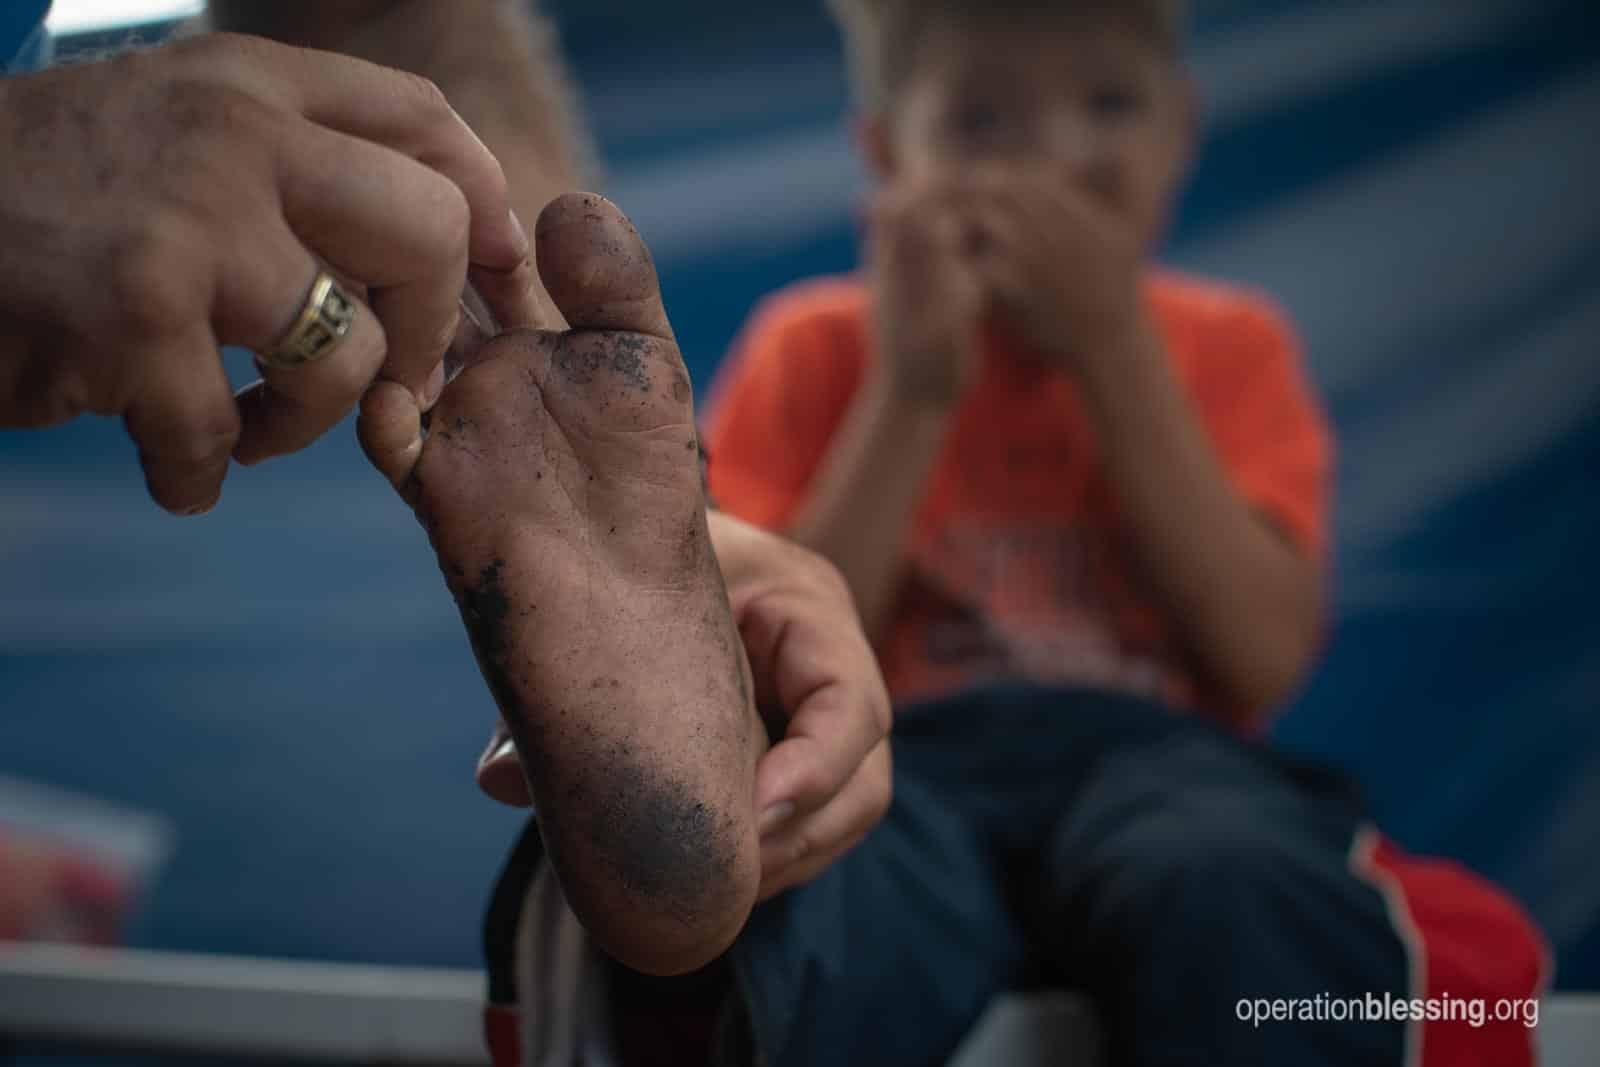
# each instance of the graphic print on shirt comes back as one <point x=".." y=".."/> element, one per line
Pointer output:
<point x="988" y="600"/>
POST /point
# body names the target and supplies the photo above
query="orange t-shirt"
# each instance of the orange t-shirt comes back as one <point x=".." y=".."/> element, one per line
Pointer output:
<point x="1016" y="567"/>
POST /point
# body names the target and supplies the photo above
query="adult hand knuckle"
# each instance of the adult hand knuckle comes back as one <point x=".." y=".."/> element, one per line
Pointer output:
<point x="216" y="149"/>
<point x="240" y="115"/>
<point x="829" y="577"/>
<point x="449" y="217"/>
<point x="204" y="438"/>
<point x="138" y="69"/>
<point x="221" y="46"/>
<point x="816" y="780"/>
<point x="150" y="276"/>
<point x="424" y="97"/>
<point x="352" y="368"/>
<point x="222" y="56"/>
<point x="272" y="297"/>
<point x="65" y="399"/>
<point x="195" y="108"/>
<point x="499" y="185"/>
<point x="818" y="573"/>
<point x="55" y="397"/>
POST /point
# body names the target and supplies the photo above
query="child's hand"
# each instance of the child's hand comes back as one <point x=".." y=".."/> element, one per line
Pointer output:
<point x="928" y="297"/>
<point x="1060" y="270"/>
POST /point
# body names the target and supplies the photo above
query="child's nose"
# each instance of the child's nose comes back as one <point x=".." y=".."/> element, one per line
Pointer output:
<point x="1073" y="141"/>
<point x="1085" y="156"/>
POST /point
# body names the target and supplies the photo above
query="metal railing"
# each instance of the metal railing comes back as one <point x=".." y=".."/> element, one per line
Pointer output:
<point x="285" y="1012"/>
<point x="239" y="1007"/>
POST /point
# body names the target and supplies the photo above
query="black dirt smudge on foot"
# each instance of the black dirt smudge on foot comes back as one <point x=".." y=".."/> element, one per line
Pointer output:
<point x="655" y="834"/>
<point x="628" y="355"/>
<point x="624" y="354"/>
<point x="485" y="609"/>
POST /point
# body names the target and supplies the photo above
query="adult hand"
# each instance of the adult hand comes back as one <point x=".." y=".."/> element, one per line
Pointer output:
<point x="827" y="780"/>
<point x="165" y="203"/>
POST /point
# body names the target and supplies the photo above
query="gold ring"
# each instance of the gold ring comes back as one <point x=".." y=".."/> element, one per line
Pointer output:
<point x="323" y="324"/>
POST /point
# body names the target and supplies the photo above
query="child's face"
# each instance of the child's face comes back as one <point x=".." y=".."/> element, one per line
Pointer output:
<point x="1089" y="98"/>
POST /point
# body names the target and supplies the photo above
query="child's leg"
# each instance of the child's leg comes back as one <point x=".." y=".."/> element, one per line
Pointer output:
<point x="891" y="955"/>
<point x="1199" y="881"/>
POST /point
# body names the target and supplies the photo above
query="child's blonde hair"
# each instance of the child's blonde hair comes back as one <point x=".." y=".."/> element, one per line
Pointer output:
<point x="882" y="35"/>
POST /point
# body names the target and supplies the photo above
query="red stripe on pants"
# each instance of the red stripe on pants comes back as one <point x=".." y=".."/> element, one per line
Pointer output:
<point x="1467" y="940"/>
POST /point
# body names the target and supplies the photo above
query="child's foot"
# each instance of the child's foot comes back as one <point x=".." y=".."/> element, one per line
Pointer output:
<point x="560" y="485"/>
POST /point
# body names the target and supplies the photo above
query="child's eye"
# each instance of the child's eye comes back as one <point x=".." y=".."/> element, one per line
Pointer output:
<point x="1114" y="102"/>
<point x="978" y="122"/>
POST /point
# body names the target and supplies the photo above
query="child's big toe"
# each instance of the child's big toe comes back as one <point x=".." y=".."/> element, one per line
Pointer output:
<point x="597" y="268"/>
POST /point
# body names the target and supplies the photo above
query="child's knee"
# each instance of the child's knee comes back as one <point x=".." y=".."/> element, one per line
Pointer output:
<point x="1194" y="857"/>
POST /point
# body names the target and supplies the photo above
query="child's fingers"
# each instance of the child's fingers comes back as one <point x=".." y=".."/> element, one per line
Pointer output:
<point x="1004" y="284"/>
<point x="1042" y="205"/>
<point x="916" y="209"/>
<point x="1017" y="205"/>
<point x="991" y="232"/>
<point x="1000" y="251"/>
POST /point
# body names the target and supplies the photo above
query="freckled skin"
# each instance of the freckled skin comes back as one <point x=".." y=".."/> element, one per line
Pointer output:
<point x="568" y="515"/>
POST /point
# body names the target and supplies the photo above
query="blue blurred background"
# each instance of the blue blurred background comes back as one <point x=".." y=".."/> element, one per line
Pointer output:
<point x="286" y="680"/>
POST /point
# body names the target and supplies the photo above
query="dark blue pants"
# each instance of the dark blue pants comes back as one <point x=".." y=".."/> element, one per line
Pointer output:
<point x="1092" y="842"/>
